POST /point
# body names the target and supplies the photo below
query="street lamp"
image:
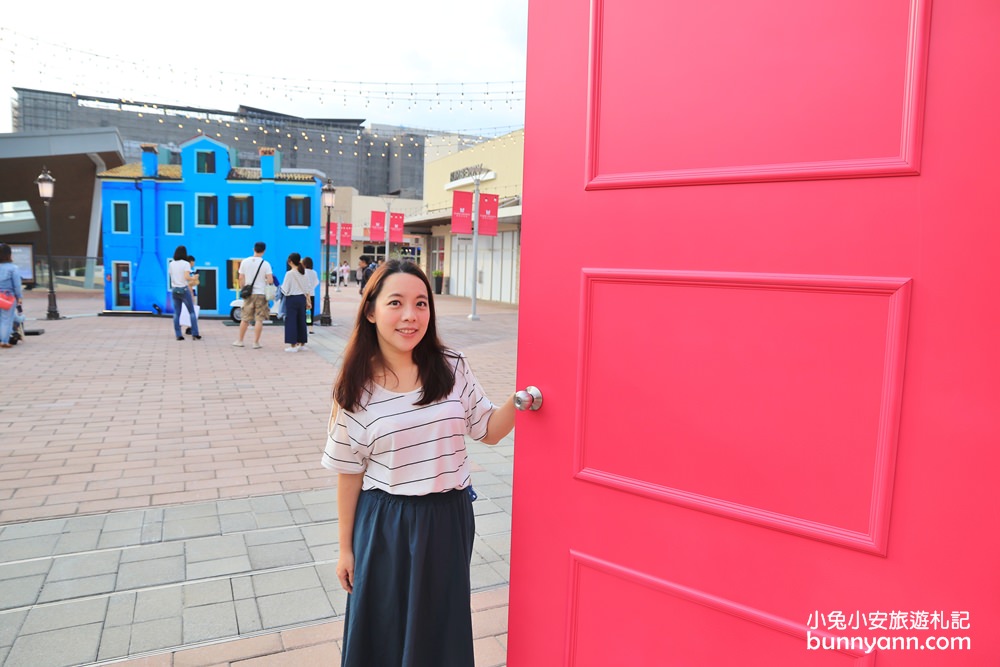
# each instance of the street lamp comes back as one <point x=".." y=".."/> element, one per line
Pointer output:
<point x="46" y="187"/>
<point x="329" y="196"/>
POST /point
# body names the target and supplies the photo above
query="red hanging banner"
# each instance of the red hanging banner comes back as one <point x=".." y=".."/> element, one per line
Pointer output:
<point x="461" y="212"/>
<point x="377" y="231"/>
<point x="345" y="233"/>
<point x="395" y="227"/>
<point x="488" y="205"/>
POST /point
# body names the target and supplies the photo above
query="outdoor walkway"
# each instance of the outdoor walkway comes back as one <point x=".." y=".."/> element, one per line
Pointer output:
<point x="162" y="502"/>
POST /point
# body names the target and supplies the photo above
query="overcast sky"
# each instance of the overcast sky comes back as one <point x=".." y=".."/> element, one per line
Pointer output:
<point x="397" y="62"/>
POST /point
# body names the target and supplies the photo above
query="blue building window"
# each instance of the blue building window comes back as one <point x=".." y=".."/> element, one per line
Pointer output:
<point x="206" y="162"/>
<point x="241" y="211"/>
<point x="297" y="211"/>
<point x="208" y="211"/>
<point x="120" y="223"/>
<point x="175" y="218"/>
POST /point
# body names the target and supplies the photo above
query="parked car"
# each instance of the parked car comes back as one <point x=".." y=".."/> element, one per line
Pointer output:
<point x="236" y="310"/>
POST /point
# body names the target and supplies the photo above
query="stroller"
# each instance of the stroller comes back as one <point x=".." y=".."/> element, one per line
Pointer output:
<point x="17" y="334"/>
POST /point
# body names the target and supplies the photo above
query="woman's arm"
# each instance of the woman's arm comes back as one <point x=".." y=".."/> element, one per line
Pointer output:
<point x="501" y="423"/>
<point x="348" y="490"/>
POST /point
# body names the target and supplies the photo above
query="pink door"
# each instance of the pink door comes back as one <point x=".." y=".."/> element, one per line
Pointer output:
<point x="759" y="294"/>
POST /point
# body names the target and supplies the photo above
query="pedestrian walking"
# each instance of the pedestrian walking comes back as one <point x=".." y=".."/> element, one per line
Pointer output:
<point x="10" y="287"/>
<point x="403" y="405"/>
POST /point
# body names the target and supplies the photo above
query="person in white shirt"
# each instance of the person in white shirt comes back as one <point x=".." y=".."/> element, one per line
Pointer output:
<point x="296" y="288"/>
<point x="255" y="270"/>
<point x="313" y="279"/>
<point x="345" y="273"/>
<point x="403" y="406"/>
<point x="181" y="280"/>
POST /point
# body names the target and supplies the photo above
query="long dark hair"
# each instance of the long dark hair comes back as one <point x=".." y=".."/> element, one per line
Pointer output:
<point x="362" y="352"/>
<point x="180" y="253"/>
<point x="295" y="262"/>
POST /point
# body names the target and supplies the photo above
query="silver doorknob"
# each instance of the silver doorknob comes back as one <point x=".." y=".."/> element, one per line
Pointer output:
<point x="528" y="399"/>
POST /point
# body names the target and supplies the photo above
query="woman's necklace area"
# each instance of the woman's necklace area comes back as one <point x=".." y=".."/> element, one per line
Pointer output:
<point x="399" y="381"/>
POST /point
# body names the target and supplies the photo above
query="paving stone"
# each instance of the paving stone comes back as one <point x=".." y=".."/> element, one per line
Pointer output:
<point x="31" y="529"/>
<point x="61" y="616"/>
<point x="275" y="519"/>
<point x="185" y="529"/>
<point x="285" y="609"/>
<point x="207" y="592"/>
<point x="85" y="524"/>
<point x="484" y="506"/>
<point x="247" y="616"/>
<point x="76" y="542"/>
<point x="493" y="523"/>
<point x="56" y="648"/>
<point x="25" y="569"/>
<point x="273" y="536"/>
<point x="56" y="591"/>
<point x="320" y="497"/>
<point x="218" y="568"/>
<point x="324" y="553"/>
<point x="151" y="533"/>
<point x="237" y="522"/>
<point x="159" y="603"/>
<point x="267" y="504"/>
<point x="499" y="543"/>
<point x="213" y="621"/>
<point x="153" y="552"/>
<point x="484" y="576"/>
<point x="298" y="579"/>
<point x="214" y="548"/>
<point x="114" y="642"/>
<point x="147" y="573"/>
<point x="121" y="610"/>
<point x="10" y="626"/>
<point x="337" y="598"/>
<point x="120" y="538"/>
<point x="193" y="511"/>
<point x="325" y="533"/>
<point x="242" y="588"/>
<point x="234" y="506"/>
<point x="281" y="554"/>
<point x="301" y="517"/>
<point x="28" y="547"/>
<point x="493" y="491"/>
<point x="117" y="521"/>
<point x="325" y="512"/>
<point x="155" y="635"/>
<point x="20" y="592"/>
<point x="84" y="565"/>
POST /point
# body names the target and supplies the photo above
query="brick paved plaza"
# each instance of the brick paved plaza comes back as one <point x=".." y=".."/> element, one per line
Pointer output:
<point x="162" y="502"/>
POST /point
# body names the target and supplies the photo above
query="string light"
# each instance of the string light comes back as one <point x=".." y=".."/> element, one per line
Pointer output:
<point x="25" y="52"/>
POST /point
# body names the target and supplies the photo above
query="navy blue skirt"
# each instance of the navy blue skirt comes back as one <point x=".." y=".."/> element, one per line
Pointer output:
<point x="411" y="601"/>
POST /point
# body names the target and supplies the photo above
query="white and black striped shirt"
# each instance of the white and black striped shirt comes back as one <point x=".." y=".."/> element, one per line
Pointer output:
<point x="407" y="449"/>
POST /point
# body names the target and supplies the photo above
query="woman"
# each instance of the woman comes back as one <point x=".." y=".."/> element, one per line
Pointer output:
<point x="313" y="279"/>
<point x="180" y="289"/>
<point x="403" y="405"/>
<point x="10" y="285"/>
<point x="296" y="288"/>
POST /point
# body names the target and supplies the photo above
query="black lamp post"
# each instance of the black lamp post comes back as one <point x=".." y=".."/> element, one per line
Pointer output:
<point x="46" y="188"/>
<point x="329" y="196"/>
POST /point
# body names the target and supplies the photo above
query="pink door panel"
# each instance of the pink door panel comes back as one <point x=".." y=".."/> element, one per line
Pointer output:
<point x="759" y="290"/>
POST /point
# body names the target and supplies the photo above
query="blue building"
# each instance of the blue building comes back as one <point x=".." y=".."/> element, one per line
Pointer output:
<point x="216" y="210"/>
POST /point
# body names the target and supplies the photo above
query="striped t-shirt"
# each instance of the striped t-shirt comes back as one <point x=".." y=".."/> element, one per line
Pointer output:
<point x="407" y="449"/>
